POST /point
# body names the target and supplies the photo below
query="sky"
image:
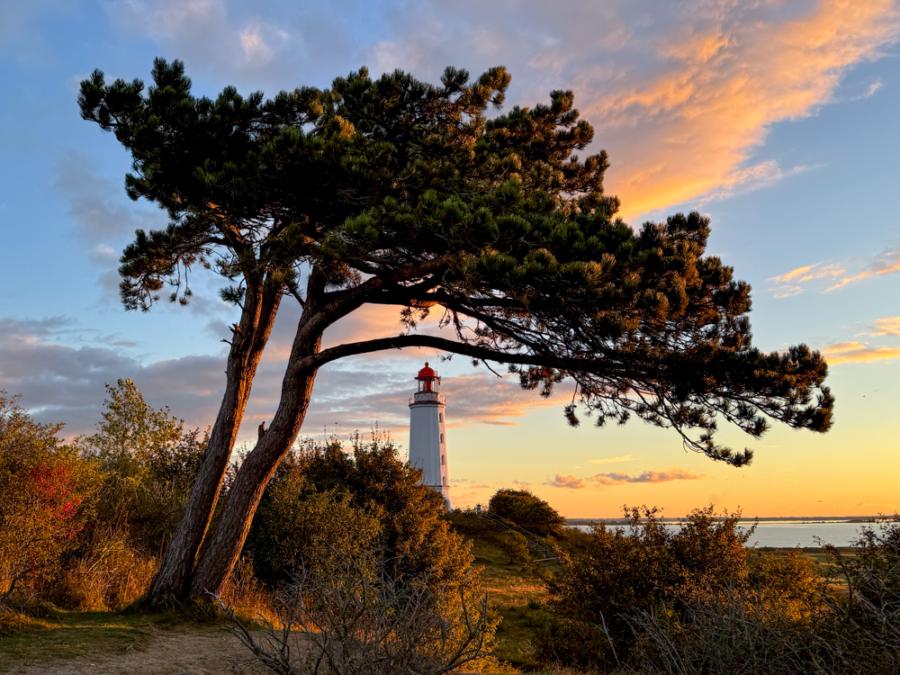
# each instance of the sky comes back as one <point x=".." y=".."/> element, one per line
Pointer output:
<point x="778" y="120"/>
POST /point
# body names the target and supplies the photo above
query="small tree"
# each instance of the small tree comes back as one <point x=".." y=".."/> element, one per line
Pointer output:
<point x="524" y="509"/>
<point x="148" y="461"/>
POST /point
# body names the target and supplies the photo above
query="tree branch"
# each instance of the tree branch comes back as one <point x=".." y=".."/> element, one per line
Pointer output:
<point x="319" y="359"/>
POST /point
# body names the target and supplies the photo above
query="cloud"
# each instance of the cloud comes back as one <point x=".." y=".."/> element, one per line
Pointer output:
<point x="350" y="395"/>
<point x="858" y="352"/>
<point x="889" y="325"/>
<point x="750" y="179"/>
<point x="253" y="45"/>
<point x="567" y="482"/>
<point x="792" y="282"/>
<point x="616" y="478"/>
<point x="259" y="42"/>
<point x="729" y="72"/>
<point x="795" y="281"/>
<point x="99" y="207"/>
<point x="681" y="94"/>
<point x="60" y="370"/>
<point x="863" y="91"/>
<point x="200" y="30"/>
<point x="873" y="88"/>
<point x="885" y="263"/>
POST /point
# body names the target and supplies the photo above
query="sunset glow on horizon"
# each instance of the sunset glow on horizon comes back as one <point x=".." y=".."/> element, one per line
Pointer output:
<point x="778" y="120"/>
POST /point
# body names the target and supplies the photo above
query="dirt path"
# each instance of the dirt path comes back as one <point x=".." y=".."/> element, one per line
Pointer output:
<point x="193" y="651"/>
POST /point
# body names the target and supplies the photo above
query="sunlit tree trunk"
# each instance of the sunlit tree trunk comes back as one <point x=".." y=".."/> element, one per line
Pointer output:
<point x="223" y="546"/>
<point x="251" y="334"/>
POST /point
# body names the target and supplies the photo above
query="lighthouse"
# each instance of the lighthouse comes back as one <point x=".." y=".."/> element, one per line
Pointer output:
<point x="427" y="439"/>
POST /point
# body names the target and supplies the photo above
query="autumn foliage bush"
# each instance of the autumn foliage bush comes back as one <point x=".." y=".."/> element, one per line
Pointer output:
<point x="81" y="522"/>
<point x="45" y="499"/>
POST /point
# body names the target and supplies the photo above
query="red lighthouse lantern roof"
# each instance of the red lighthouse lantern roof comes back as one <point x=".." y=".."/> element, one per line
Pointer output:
<point x="427" y="373"/>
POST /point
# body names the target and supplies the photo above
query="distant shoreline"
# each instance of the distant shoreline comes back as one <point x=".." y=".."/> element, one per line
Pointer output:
<point x="746" y="519"/>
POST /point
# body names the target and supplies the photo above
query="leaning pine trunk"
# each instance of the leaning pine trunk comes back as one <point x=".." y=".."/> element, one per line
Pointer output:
<point x="223" y="547"/>
<point x="173" y="576"/>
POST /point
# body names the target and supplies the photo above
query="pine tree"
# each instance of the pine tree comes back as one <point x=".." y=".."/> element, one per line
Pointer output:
<point x="400" y="192"/>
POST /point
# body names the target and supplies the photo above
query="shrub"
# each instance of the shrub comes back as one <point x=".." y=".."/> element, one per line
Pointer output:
<point x="642" y="567"/>
<point x="355" y="546"/>
<point x="376" y="486"/>
<point x="515" y="545"/>
<point x="864" y="623"/>
<point x="297" y="527"/>
<point x="44" y="489"/>
<point x="80" y="524"/>
<point x="360" y="618"/>
<point x="648" y="599"/>
<point x="109" y="575"/>
<point x="529" y="512"/>
<point x="785" y="621"/>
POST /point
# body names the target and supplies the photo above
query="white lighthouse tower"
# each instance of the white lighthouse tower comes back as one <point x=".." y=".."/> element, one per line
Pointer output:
<point x="427" y="439"/>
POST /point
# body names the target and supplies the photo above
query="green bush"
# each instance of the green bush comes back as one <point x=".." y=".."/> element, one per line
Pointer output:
<point x="364" y="561"/>
<point x="297" y="528"/>
<point x="527" y="511"/>
<point x="376" y="485"/>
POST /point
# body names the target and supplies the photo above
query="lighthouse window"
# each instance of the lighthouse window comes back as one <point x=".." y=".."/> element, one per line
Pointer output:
<point x="443" y="459"/>
<point x="441" y="416"/>
<point x="442" y="438"/>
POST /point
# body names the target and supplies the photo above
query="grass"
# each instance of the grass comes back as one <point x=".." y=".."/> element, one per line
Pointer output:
<point x="517" y="591"/>
<point x="66" y="635"/>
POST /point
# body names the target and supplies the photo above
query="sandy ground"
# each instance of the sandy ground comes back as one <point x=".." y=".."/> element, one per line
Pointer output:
<point x="197" y="652"/>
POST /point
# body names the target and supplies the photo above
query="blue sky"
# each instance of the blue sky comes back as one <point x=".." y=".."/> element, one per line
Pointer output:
<point x="776" y="119"/>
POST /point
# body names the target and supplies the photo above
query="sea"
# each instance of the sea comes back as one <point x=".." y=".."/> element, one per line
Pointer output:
<point x="778" y="533"/>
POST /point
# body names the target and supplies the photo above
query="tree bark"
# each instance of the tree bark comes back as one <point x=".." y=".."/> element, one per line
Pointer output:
<point x="250" y="337"/>
<point x="222" y="548"/>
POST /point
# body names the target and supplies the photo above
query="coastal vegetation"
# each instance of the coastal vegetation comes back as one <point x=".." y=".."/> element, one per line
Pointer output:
<point x="346" y="536"/>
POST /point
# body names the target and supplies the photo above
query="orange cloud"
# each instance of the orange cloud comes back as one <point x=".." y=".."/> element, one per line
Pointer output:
<point x="858" y="352"/>
<point x="567" y="482"/>
<point x="791" y="282"/>
<point x="889" y="325"/>
<point x="615" y="478"/>
<point x="728" y="76"/>
<point x="886" y="262"/>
